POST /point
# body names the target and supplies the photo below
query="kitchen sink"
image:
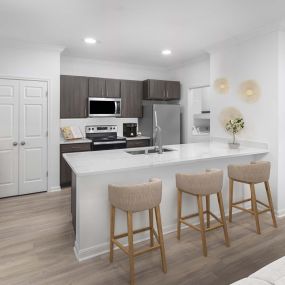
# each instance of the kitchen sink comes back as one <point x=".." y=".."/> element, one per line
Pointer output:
<point x="148" y="151"/>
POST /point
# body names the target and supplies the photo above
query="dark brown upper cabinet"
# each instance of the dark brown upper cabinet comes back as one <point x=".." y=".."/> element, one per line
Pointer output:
<point x="113" y="88"/>
<point x="73" y="96"/>
<point x="172" y="90"/>
<point x="154" y="89"/>
<point x="131" y="96"/>
<point x="97" y="87"/>
<point x="161" y="90"/>
<point x="104" y="88"/>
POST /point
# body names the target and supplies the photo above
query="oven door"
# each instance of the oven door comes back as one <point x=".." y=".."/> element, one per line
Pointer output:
<point x="109" y="145"/>
<point x="104" y="107"/>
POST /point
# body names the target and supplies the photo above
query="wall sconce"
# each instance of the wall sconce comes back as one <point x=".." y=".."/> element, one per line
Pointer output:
<point x="221" y="86"/>
<point x="229" y="113"/>
<point x="249" y="91"/>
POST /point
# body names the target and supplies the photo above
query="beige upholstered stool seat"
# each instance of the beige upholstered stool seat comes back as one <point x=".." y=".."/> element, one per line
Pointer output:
<point x="137" y="198"/>
<point x="255" y="172"/>
<point x="201" y="185"/>
<point x="209" y="182"/>
<point x="252" y="173"/>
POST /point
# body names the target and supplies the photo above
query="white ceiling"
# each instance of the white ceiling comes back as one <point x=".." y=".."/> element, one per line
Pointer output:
<point x="135" y="31"/>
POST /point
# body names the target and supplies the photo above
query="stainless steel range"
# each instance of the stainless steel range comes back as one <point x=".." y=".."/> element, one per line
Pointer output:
<point x="105" y="137"/>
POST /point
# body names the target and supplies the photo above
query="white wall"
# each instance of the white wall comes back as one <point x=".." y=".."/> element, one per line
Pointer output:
<point x="255" y="59"/>
<point x="281" y="125"/>
<point x="44" y="64"/>
<point x="94" y="68"/>
<point x="194" y="74"/>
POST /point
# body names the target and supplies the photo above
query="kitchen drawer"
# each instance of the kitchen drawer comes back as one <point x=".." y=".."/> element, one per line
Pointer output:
<point x="65" y="171"/>
<point x="75" y="147"/>
<point x="138" y="143"/>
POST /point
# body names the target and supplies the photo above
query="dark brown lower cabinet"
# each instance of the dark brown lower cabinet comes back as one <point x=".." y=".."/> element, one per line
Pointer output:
<point x="138" y="143"/>
<point x="65" y="171"/>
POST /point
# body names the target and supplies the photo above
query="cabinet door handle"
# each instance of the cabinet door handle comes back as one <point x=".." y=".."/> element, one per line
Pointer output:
<point x="102" y="92"/>
<point x="166" y="93"/>
<point x="15" y="143"/>
<point x="23" y="142"/>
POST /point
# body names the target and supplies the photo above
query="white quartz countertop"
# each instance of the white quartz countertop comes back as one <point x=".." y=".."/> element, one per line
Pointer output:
<point x="99" y="162"/>
<point x="137" y="138"/>
<point x="83" y="140"/>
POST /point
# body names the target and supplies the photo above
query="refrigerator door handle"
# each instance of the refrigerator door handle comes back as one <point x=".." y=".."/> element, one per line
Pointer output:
<point x="155" y="118"/>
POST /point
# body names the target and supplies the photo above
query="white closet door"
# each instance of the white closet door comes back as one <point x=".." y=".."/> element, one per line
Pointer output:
<point x="33" y="137"/>
<point x="9" y="137"/>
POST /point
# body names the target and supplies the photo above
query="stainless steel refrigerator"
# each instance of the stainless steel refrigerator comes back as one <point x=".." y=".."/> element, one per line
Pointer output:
<point x="168" y="118"/>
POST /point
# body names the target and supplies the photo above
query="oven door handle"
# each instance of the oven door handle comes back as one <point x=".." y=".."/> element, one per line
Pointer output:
<point x="111" y="142"/>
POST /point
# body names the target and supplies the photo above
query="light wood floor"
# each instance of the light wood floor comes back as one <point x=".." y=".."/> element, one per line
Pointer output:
<point x="36" y="248"/>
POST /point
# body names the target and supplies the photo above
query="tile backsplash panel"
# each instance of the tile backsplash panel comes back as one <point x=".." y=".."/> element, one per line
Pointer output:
<point x="81" y="123"/>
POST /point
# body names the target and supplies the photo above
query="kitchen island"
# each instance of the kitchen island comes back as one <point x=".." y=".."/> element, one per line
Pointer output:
<point x="93" y="171"/>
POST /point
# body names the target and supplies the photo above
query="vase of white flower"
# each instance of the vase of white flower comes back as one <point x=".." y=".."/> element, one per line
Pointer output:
<point x="234" y="126"/>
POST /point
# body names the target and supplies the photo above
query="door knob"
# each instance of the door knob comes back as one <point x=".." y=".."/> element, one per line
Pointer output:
<point x="23" y="143"/>
<point x="15" y="143"/>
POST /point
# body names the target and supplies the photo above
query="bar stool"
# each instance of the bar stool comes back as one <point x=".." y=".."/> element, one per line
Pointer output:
<point x="253" y="173"/>
<point x="137" y="198"/>
<point x="201" y="185"/>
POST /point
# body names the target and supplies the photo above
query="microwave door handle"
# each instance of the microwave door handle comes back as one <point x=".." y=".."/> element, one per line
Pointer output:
<point x="116" y="108"/>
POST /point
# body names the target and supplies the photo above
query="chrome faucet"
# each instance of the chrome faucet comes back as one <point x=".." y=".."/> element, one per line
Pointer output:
<point x="158" y="140"/>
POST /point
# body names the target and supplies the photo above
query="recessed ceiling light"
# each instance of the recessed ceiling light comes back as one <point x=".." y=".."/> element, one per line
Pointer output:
<point x="90" y="41"/>
<point x="166" y="52"/>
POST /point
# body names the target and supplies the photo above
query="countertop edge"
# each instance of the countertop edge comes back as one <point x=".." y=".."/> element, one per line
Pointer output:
<point x="171" y="163"/>
<point x="137" y="138"/>
<point x="84" y="140"/>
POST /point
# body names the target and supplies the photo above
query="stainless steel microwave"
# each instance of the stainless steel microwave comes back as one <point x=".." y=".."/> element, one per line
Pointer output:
<point x="104" y="107"/>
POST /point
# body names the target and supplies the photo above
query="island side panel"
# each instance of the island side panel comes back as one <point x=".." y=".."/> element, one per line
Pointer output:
<point x="73" y="200"/>
<point x="93" y="209"/>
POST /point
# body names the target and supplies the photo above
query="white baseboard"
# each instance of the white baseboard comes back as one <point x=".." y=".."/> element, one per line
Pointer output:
<point x="280" y="213"/>
<point x="54" y="189"/>
<point x="103" y="248"/>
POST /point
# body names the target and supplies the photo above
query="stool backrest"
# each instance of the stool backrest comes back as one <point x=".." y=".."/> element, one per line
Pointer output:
<point x="204" y="183"/>
<point x="136" y="198"/>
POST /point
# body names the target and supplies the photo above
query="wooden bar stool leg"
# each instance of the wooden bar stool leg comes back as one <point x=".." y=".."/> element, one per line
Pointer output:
<point x="251" y="201"/>
<point x="223" y="218"/>
<point x="179" y="211"/>
<point x="254" y="204"/>
<point x="202" y="226"/>
<point x="269" y="197"/>
<point x="160" y="237"/>
<point x="151" y="227"/>
<point x="112" y="232"/>
<point x="231" y="189"/>
<point x="131" y="248"/>
<point x="208" y="208"/>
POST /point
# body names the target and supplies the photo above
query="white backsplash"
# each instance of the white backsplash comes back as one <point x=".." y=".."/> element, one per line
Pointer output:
<point x="81" y="123"/>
